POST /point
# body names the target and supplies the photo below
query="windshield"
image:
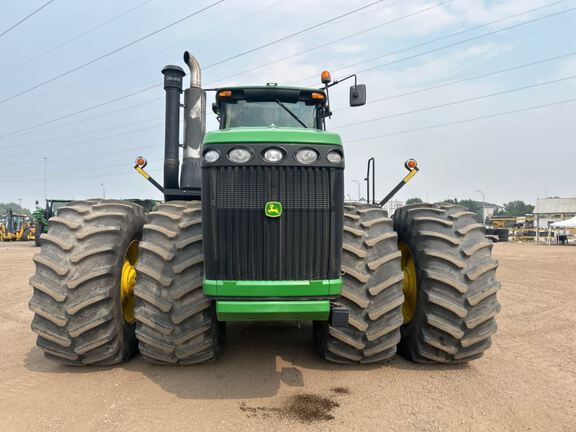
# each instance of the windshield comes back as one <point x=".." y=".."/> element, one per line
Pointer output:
<point x="268" y="114"/>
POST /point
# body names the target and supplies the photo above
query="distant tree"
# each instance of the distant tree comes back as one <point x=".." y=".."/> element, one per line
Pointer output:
<point x="473" y="206"/>
<point x="413" y="201"/>
<point x="4" y="207"/>
<point x="517" y="208"/>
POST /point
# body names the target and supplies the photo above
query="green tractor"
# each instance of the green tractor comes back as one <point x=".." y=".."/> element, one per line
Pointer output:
<point x="41" y="216"/>
<point x="255" y="227"/>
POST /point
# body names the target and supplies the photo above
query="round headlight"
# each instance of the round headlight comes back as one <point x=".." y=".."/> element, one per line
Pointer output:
<point x="239" y="155"/>
<point x="306" y="156"/>
<point x="334" y="157"/>
<point x="211" y="156"/>
<point x="273" y="155"/>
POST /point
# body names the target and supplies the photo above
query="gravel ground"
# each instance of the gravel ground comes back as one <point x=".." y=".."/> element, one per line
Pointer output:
<point x="271" y="379"/>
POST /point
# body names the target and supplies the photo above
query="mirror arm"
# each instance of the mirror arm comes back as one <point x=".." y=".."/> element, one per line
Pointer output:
<point x="343" y="79"/>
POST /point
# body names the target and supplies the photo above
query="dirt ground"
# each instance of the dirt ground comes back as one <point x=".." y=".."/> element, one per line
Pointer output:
<point x="270" y="378"/>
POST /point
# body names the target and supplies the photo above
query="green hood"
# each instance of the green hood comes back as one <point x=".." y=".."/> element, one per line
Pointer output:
<point x="272" y="135"/>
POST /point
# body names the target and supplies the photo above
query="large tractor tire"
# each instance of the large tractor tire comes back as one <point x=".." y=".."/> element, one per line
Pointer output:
<point x="176" y="322"/>
<point x="449" y="284"/>
<point x="372" y="290"/>
<point x="83" y="303"/>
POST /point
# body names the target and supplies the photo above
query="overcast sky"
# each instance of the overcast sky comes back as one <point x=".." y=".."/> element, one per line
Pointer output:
<point x="89" y="138"/>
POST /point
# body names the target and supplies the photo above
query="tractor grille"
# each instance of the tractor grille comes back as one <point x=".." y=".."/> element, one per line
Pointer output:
<point x="242" y="243"/>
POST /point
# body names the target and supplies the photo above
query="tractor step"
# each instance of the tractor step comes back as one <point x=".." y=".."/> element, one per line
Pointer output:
<point x="303" y="310"/>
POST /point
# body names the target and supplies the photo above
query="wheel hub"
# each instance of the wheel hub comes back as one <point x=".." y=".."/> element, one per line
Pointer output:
<point x="127" y="282"/>
<point x="409" y="283"/>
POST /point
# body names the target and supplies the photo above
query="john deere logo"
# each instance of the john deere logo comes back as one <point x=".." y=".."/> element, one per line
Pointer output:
<point x="273" y="209"/>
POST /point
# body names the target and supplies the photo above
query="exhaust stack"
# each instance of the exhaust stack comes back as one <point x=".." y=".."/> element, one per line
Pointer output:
<point x="194" y="126"/>
<point x="173" y="86"/>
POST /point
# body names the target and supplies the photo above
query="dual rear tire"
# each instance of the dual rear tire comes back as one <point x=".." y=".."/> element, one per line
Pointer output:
<point x="449" y="282"/>
<point x="78" y="303"/>
<point x="176" y="323"/>
<point x="425" y="287"/>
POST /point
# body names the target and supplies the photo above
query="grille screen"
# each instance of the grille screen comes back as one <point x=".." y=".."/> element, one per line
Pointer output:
<point x="241" y="243"/>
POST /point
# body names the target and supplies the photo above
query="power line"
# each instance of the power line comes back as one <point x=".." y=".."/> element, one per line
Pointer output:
<point x="66" y="42"/>
<point x="114" y="51"/>
<point x="119" y="174"/>
<point x="403" y="59"/>
<point x="30" y="15"/>
<point x="58" y="139"/>
<point x="93" y="107"/>
<point x="100" y="139"/>
<point x="171" y="25"/>
<point x="291" y="35"/>
<point x="156" y="85"/>
<point x="461" y="101"/>
<point x="469" y="39"/>
<point x="412" y="92"/>
<point x="435" y="126"/>
<point x="127" y="165"/>
<point x="395" y="20"/>
<point x="133" y="150"/>
<point x="162" y="50"/>
<point x="443" y="105"/>
<point x="463" y="80"/>
<point x="472" y="119"/>
<point x="450" y="35"/>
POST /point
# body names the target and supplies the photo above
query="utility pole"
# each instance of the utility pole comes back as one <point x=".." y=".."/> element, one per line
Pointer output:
<point x="20" y="202"/>
<point x="103" y="190"/>
<point x="483" y="206"/>
<point x="45" y="183"/>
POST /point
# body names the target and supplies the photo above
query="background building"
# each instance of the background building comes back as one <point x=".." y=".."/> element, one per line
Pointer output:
<point x="549" y="210"/>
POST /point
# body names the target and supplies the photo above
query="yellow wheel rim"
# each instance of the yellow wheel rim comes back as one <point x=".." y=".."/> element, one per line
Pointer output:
<point x="409" y="284"/>
<point x="127" y="282"/>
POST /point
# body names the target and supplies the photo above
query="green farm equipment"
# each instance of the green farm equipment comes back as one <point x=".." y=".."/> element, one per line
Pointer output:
<point x="255" y="227"/>
<point x="41" y="216"/>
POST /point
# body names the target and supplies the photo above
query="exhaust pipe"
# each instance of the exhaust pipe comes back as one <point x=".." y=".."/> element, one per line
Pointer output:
<point x="173" y="86"/>
<point x="194" y="126"/>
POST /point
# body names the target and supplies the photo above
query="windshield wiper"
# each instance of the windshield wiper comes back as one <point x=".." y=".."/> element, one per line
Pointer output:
<point x="294" y="116"/>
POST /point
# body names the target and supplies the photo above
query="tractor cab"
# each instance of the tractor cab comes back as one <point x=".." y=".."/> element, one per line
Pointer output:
<point x="16" y="227"/>
<point x="270" y="106"/>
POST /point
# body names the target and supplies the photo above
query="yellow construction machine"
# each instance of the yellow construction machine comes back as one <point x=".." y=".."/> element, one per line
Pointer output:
<point x="16" y="227"/>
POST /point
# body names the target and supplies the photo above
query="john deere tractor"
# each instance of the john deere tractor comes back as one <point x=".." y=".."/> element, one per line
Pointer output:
<point x="255" y="227"/>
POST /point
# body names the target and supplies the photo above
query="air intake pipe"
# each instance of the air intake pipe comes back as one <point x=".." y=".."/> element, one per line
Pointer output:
<point x="194" y="126"/>
<point x="173" y="86"/>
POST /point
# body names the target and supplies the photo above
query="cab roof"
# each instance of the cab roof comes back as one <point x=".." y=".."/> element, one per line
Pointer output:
<point x="270" y="92"/>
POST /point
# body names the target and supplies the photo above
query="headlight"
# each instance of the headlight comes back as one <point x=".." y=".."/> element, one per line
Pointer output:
<point x="239" y="155"/>
<point x="306" y="156"/>
<point x="334" y="157"/>
<point x="211" y="156"/>
<point x="273" y="155"/>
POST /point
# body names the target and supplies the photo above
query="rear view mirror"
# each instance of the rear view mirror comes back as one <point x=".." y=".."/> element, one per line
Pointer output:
<point x="358" y="95"/>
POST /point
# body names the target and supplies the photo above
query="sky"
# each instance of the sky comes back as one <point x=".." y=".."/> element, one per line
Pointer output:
<point x="481" y="92"/>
